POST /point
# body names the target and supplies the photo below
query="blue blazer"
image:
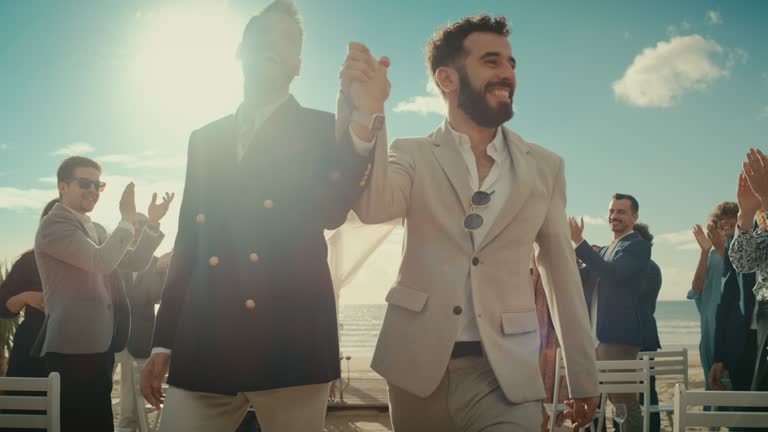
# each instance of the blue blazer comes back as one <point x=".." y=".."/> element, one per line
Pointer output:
<point x="622" y="280"/>
<point x="647" y="308"/>
<point x="734" y="313"/>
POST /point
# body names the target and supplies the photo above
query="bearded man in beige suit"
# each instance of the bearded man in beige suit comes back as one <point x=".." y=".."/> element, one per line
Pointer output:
<point x="459" y="344"/>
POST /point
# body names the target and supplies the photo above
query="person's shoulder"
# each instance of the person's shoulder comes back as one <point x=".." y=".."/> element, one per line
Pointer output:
<point x="26" y="259"/>
<point x="540" y="153"/>
<point x="317" y="116"/>
<point x="217" y="128"/>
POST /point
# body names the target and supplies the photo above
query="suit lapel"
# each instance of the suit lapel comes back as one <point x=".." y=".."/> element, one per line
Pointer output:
<point x="449" y="158"/>
<point x="524" y="166"/>
<point x="277" y="135"/>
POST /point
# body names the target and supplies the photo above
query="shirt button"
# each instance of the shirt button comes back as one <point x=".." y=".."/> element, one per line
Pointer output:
<point x="200" y="218"/>
<point x="213" y="261"/>
<point x="475" y="261"/>
<point x="269" y="204"/>
<point x="250" y="304"/>
<point x="254" y="257"/>
<point x="457" y="310"/>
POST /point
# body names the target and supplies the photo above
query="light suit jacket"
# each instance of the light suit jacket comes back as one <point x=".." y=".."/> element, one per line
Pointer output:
<point x="86" y="310"/>
<point x="425" y="181"/>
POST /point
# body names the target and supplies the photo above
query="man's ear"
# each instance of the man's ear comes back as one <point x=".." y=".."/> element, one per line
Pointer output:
<point x="447" y="79"/>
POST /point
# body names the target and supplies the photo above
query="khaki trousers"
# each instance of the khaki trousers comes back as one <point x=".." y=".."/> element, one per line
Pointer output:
<point x="634" y="422"/>
<point x="289" y="409"/>
<point x="468" y="399"/>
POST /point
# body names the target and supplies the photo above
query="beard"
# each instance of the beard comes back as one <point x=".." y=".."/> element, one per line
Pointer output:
<point x="475" y="105"/>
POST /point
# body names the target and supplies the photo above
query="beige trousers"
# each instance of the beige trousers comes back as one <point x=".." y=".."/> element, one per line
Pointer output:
<point x="289" y="409"/>
<point x="468" y="399"/>
<point x="129" y="420"/>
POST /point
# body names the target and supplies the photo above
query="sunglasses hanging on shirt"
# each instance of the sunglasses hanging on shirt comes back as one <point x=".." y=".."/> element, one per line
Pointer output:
<point x="473" y="221"/>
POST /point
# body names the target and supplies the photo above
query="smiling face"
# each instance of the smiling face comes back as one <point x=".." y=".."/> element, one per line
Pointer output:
<point x="74" y="195"/>
<point x="487" y="79"/>
<point x="621" y="216"/>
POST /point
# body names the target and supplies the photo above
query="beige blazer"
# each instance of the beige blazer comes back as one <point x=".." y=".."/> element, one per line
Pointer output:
<point x="425" y="181"/>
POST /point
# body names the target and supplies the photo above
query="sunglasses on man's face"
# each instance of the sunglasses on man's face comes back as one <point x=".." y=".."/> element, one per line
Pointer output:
<point x="86" y="184"/>
<point x="473" y="221"/>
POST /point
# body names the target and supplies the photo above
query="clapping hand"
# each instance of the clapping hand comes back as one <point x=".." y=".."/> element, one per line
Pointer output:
<point x="128" y="203"/>
<point x="701" y="238"/>
<point x="156" y="210"/>
<point x="756" y="172"/>
<point x="577" y="229"/>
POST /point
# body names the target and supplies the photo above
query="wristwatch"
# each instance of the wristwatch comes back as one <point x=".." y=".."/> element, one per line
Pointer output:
<point x="374" y="121"/>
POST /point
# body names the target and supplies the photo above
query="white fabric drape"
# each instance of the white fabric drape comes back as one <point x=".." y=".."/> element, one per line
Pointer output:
<point x="350" y="246"/>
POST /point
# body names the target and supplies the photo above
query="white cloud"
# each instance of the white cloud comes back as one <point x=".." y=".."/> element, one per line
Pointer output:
<point x="714" y="17"/>
<point x="659" y="76"/>
<point x="680" y="240"/>
<point x="4" y="146"/>
<point x="595" y="220"/>
<point x="78" y="148"/>
<point x="25" y="199"/>
<point x="433" y="103"/>
<point x="50" y="180"/>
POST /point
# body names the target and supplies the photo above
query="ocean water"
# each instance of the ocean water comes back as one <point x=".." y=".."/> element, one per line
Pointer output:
<point x="678" y="323"/>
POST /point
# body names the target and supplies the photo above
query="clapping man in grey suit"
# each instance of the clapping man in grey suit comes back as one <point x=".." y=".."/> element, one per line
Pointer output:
<point x="87" y="314"/>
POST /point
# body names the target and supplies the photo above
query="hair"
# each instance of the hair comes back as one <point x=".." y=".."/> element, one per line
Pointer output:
<point x="68" y="166"/>
<point x="446" y="46"/>
<point x="644" y="232"/>
<point x="724" y="210"/>
<point x="621" y="196"/>
<point x="281" y="7"/>
<point x="48" y="207"/>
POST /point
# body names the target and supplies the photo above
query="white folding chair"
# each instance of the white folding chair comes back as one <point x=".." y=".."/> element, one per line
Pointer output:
<point x="50" y="402"/>
<point x="614" y="376"/>
<point x="670" y="365"/>
<point x="742" y="399"/>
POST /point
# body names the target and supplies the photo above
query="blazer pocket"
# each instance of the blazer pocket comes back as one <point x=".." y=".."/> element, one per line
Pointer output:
<point x="519" y="322"/>
<point x="408" y="298"/>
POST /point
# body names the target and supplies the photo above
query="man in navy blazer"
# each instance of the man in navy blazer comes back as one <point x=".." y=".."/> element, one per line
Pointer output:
<point x="621" y="268"/>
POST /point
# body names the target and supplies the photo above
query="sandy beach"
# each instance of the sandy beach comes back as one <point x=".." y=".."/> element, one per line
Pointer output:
<point x="377" y="420"/>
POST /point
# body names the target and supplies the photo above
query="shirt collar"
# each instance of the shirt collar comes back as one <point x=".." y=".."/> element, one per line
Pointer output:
<point x="253" y="118"/>
<point x="617" y="240"/>
<point x="497" y="148"/>
<point x="83" y="218"/>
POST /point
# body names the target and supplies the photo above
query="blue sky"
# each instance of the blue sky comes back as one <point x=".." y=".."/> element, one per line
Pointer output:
<point x="656" y="99"/>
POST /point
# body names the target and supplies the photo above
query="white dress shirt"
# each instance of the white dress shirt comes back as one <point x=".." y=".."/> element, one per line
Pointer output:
<point x="499" y="181"/>
<point x="249" y="121"/>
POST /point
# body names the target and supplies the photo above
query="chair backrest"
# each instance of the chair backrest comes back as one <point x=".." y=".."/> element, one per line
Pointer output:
<point x="626" y="376"/>
<point x="668" y="363"/>
<point x="731" y="418"/>
<point x="614" y="376"/>
<point x="36" y="411"/>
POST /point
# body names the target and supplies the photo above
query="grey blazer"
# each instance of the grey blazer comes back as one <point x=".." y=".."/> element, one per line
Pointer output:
<point x="86" y="309"/>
